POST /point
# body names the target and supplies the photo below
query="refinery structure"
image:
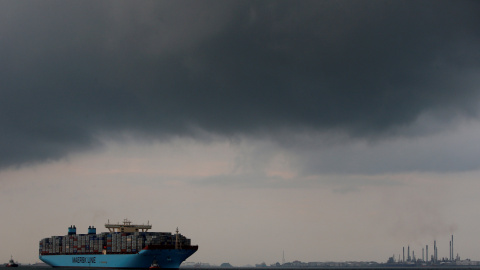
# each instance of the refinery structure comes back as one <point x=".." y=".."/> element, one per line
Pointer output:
<point x="429" y="258"/>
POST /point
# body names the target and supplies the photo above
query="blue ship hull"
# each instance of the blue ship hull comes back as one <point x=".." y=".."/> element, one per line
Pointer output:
<point x="165" y="258"/>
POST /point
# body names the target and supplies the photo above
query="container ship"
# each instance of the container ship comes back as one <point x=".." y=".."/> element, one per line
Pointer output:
<point x="123" y="246"/>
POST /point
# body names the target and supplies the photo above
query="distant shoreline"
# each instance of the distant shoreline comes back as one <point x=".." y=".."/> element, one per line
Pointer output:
<point x="466" y="267"/>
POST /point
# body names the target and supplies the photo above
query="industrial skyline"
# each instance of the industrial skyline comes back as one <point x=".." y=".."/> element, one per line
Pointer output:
<point x="433" y="259"/>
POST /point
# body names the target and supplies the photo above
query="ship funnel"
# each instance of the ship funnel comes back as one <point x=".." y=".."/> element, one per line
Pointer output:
<point x="72" y="230"/>
<point x="92" y="230"/>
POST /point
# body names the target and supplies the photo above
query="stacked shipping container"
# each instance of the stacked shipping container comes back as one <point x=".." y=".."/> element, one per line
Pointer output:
<point x="109" y="242"/>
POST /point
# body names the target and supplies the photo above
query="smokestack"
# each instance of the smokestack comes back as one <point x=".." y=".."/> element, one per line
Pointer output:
<point x="434" y="251"/>
<point x="426" y="248"/>
<point x="408" y="257"/>
<point x="403" y="254"/>
<point x="423" y="255"/>
<point x="452" y="249"/>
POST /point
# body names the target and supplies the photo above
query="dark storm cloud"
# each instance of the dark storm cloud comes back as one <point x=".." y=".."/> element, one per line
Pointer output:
<point x="73" y="71"/>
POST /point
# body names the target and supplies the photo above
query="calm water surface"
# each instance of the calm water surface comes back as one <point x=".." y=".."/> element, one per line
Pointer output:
<point x="272" y="268"/>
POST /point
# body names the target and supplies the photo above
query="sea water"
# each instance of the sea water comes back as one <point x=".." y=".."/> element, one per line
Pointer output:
<point x="273" y="268"/>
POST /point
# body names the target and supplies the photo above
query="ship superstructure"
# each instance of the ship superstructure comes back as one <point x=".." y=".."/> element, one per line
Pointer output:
<point x="123" y="246"/>
<point x="11" y="262"/>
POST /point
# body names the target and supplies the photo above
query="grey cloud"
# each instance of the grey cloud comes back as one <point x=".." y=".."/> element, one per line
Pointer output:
<point x="72" y="71"/>
<point x="447" y="152"/>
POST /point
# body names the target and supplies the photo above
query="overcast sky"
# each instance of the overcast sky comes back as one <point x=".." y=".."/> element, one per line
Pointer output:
<point x="328" y="130"/>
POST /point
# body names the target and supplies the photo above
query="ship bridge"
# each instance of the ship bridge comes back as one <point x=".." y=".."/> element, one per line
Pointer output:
<point x="127" y="226"/>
